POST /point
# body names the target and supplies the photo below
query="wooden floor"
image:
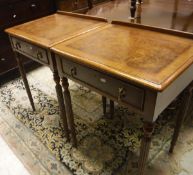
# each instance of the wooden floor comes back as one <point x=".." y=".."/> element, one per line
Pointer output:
<point x="174" y="14"/>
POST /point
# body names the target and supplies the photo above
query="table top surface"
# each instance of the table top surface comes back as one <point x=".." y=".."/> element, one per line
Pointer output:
<point x="150" y="58"/>
<point x="55" y="28"/>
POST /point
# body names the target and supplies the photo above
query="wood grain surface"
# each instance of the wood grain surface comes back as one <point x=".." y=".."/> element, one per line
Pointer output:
<point x="55" y="28"/>
<point x="150" y="58"/>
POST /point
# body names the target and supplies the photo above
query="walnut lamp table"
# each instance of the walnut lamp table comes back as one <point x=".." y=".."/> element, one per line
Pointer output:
<point x="142" y="67"/>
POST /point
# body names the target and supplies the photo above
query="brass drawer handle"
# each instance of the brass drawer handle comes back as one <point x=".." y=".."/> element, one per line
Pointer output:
<point x="39" y="55"/>
<point x="121" y="94"/>
<point x="73" y="71"/>
<point x="18" y="45"/>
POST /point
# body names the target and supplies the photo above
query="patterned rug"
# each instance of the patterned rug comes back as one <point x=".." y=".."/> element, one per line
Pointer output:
<point x="106" y="146"/>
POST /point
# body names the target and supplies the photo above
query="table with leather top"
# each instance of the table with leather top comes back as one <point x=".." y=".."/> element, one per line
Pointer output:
<point x="142" y="67"/>
<point x="34" y="40"/>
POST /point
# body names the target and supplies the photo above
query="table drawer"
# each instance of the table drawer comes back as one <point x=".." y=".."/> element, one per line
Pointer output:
<point x="37" y="53"/>
<point x="122" y="91"/>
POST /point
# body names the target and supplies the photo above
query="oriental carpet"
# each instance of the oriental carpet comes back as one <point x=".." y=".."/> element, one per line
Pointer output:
<point x="106" y="145"/>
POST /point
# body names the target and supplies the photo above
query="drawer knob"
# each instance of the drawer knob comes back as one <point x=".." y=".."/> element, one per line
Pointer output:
<point x="18" y="45"/>
<point x="103" y="80"/>
<point x="121" y="94"/>
<point x="73" y="71"/>
<point x="39" y="55"/>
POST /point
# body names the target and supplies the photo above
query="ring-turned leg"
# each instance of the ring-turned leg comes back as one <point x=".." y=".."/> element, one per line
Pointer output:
<point x="186" y="99"/>
<point x="61" y="103"/>
<point x="133" y="8"/>
<point x="23" y="75"/>
<point x="69" y="112"/>
<point x="148" y="128"/>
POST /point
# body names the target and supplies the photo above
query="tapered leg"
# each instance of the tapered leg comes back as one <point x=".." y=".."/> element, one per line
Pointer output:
<point x="69" y="112"/>
<point x="104" y="101"/>
<point x="186" y="100"/>
<point x="61" y="103"/>
<point x="23" y="75"/>
<point x="148" y="128"/>
<point x="133" y="8"/>
<point x="112" y="108"/>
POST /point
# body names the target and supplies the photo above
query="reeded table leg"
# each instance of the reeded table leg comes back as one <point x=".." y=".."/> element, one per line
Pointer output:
<point x="58" y="88"/>
<point x="148" y="128"/>
<point x="23" y="75"/>
<point x="69" y="112"/>
<point x="186" y="100"/>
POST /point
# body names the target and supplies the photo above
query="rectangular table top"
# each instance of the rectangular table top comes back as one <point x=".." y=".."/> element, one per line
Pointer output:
<point x="145" y="55"/>
<point x="55" y="28"/>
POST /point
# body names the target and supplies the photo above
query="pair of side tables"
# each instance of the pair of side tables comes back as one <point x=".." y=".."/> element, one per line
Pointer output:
<point x="142" y="67"/>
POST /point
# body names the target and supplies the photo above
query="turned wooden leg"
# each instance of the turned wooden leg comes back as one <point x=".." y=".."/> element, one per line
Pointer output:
<point x="59" y="93"/>
<point x="186" y="99"/>
<point x="104" y="101"/>
<point x="69" y="112"/>
<point x="148" y="128"/>
<point x="133" y="8"/>
<point x="23" y="75"/>
<point x="112" y="108"/>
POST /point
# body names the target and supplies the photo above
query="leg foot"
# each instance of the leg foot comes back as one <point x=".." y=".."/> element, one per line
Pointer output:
<point x="145" y="146"/>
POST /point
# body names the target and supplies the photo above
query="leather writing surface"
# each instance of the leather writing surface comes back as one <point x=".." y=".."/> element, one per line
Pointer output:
<point x="145" y="56"/>
<point x="53" y="29"/>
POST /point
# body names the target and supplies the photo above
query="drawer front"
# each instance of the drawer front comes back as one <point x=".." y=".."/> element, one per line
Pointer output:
<point x="122" y="91"/>
<point x="37" y="53"/>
